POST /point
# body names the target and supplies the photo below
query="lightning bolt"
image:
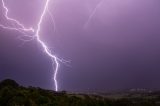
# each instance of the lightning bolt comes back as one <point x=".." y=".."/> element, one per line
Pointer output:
<point x="92" y="14"/>
<point x="46" y="49"/>
<point x="36" y="35"/>
<point x="21" y="26"/>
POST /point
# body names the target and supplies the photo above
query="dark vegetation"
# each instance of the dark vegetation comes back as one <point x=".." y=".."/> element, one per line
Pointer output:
<point x="12" y="94"/>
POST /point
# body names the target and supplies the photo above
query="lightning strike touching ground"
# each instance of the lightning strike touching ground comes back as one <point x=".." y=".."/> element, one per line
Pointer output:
<point x="46" y="49"/>
<point x="92" y="14"/>
<point x="21" y="28"/>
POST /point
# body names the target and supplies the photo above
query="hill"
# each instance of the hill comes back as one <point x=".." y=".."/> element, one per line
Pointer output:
<point x="12" y="94"/>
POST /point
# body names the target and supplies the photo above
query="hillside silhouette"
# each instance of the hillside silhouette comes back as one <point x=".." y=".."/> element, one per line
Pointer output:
<point x="12" y="94"/>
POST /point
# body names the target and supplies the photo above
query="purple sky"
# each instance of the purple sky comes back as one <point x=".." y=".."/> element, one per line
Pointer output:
<point x="119" y="48"/>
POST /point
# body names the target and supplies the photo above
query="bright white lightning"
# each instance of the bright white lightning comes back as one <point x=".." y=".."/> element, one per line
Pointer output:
<point x="46" y="49"/>
<point x="21" y="28"/>
<point x="15" y="21"/>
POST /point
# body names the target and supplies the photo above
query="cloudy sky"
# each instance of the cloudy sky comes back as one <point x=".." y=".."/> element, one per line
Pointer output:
<point x="111" y="44"/>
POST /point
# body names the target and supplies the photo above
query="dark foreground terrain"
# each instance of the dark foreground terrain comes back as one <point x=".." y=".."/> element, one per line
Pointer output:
<point x="11" y="94"/>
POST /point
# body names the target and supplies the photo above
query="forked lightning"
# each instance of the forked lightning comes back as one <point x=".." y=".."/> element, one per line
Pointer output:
<point x="36" y="32"/>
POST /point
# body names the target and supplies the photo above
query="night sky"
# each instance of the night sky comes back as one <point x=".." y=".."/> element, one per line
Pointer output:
<point x="118" y="49"/>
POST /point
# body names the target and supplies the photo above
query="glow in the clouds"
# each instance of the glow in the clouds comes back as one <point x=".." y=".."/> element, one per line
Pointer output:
<point x="21" y="28"/>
